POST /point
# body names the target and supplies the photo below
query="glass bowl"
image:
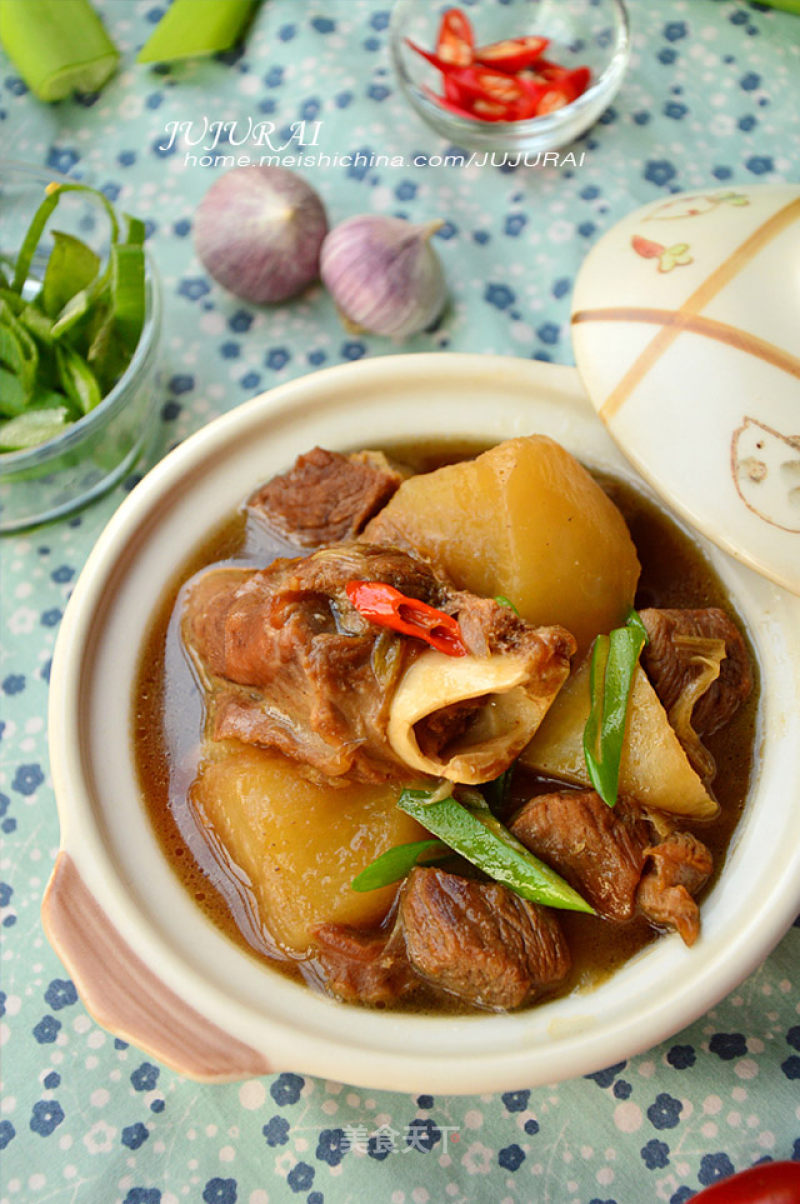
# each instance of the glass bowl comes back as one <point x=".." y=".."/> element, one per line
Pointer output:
<point x="56" y="477"/>
<point x="592" y="33"/>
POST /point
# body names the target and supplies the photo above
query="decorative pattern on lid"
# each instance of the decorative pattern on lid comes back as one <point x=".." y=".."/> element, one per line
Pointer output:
<point x="685" y="320"/>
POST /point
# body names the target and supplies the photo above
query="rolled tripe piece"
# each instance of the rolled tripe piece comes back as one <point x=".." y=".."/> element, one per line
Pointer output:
<point x="467" y="718"/>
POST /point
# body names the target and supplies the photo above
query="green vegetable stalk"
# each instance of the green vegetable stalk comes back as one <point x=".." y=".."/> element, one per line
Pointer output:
<point x="395" y="863"/>
<point x="68" y="333"/>
<point x="788" y="6"/>
<point x="58" y="46"/>
<point x="473" y="831"/>
<point x="196" y="27"/>
<point x="614" y="660"/>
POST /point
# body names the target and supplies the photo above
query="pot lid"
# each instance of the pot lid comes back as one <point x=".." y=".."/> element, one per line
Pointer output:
<point x="686" y="330"/>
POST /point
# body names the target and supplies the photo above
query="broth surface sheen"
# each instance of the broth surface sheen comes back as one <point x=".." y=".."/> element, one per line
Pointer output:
<point x="168" y="723"/>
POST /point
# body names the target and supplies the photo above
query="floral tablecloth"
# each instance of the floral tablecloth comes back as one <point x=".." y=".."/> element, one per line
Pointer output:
<point x="712" y="96"/>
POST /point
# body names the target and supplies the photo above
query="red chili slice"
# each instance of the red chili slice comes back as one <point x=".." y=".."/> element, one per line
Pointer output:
<point x="451" y="106"/>
<point x="503" y="81"/>
<point x="550" y="70"/>
<point x="456" y="40"/>
<point x="561" y="92"/>
<point x="512" y="54"/>
<point x="577" y="81"/>
<point x="486" y="84"/>
<point x="493" y="110"/>
<point x="428" y="55"/>
<point x="387" y="607"/>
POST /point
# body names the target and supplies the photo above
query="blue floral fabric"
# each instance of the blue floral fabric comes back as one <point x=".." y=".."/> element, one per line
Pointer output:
<point x="712" y="95"/>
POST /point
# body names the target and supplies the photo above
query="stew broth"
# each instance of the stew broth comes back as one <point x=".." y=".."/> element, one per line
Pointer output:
<point x="169" y="721"/>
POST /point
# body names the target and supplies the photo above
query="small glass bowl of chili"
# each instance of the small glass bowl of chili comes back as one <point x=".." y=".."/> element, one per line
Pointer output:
<point x="510" y="75"/>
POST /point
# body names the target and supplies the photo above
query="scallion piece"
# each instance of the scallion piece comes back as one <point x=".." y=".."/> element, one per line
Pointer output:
<point x="788" y="6"/>
<point x="196" y="27"/>
<point x="77" y="379"/>
<point x="64" y="349"/>
<point x="473" y="831"/>
<point x="127" y="292"/>
<point x="395" y="863"/>
<point x="32" y="428"/>
<point x="17" y="349"/>
<point x="58" y="46"/>
<point x="614" y="659"/>
<point x="72" y="267"/>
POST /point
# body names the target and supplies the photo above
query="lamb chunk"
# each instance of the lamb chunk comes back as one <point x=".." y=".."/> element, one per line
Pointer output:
<point x="480" y="941"/>
<point x="669" y="664"/>
<point x="326" y="497"/>
<point x="288" y="663"/>
<point x="600" y="850"/>
<point x="363" y="967"/>
<point x="680" y="866"/>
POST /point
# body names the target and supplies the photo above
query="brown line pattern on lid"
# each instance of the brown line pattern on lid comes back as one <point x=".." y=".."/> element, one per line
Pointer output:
<point x="722" y="332"/>
<point x="721" y="276"/>
<point x="124" y="995"/>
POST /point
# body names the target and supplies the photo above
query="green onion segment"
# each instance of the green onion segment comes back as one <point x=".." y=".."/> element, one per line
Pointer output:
<point x="614" y="660"/>
<point x="64" y="348"/>
<point x="395" y="863"/>
<point x="196" y="27"/>
<point x="58" y="46"/>
<point x="473" y="831"/>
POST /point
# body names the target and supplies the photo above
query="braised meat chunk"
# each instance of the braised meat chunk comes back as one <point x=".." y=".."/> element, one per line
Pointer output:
<point x="673" y="660"/>
<point x="289" y="663"/>
<point x="480" y="941"/>
<point x="679" y="867"/>
<point x="610" y="855"/>
<point x="475" y="940"/>
<point x="600" y="850"/>
<point x="326" y="497"/>
<point x="364" y="967"/>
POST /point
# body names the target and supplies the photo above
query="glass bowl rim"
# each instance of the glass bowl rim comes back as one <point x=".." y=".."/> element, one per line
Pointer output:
<point x="27" y="457"/>
<point x="548" y="122"/>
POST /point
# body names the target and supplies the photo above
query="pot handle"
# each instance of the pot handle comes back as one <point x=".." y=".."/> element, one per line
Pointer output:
<point x="125" y="996"/>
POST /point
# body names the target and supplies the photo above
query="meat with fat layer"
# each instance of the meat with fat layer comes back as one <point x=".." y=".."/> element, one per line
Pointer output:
<point x="326" y="496"/>
<point x="475" y="940"/>
<point x="679" y="867"/>
<point x="288" y="663"/>
<point x="670" y="660"/>
<point x="598" y="849"/>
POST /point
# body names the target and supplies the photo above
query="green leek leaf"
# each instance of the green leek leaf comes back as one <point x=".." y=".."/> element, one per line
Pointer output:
<point x="17" y="349"/>
<point x="13" y="398"/>
<point x="196" y="27"/>
<point x="58" y="46"/>
<point x="36" y="323"/>
<point x="54" y="192"/>
<point x="71" y="268"/>
<point x="76" y="308"/>
<point x="128" y="292"/>
<point x="135" y="232"/>
<point x="32" y="428"/>
<point x="77" y="379"/>
<point x="614" y="660"/>
<point x="395" y="863"/>
<point x="474" y="832"/>
<point x="788" y="6"/>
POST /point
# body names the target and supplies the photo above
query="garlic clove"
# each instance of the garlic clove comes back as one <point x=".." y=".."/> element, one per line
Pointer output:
<point x="384" y="275"/>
